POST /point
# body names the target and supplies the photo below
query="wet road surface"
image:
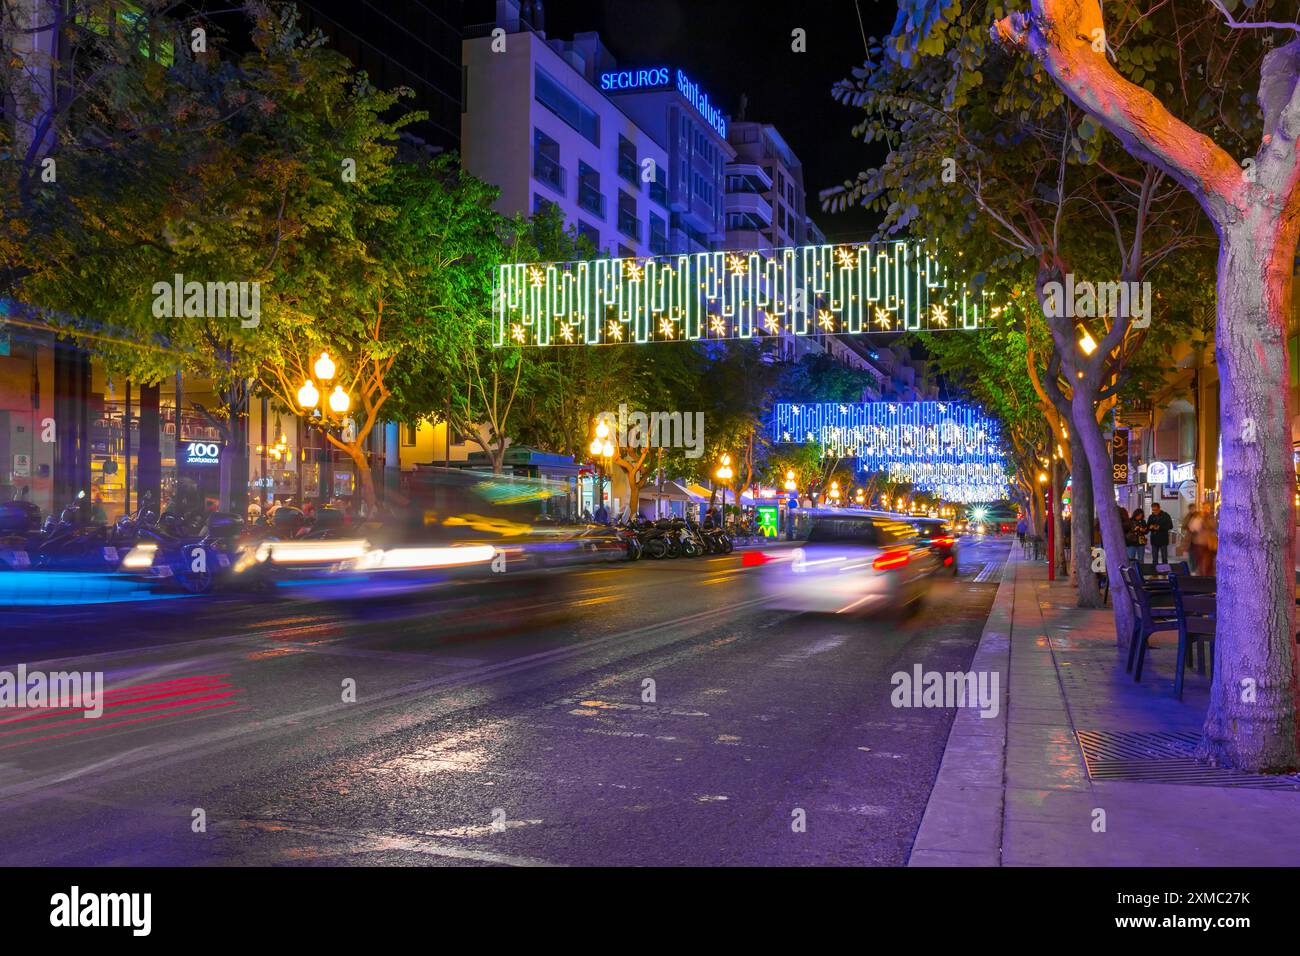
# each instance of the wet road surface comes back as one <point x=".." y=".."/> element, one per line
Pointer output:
<point x="645" y="714"/>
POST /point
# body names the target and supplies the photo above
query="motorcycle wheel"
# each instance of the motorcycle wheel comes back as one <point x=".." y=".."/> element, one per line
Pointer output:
<point x="195" y="582"/>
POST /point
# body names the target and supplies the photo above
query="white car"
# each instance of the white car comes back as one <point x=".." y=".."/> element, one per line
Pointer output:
<point x="854" y="562"/>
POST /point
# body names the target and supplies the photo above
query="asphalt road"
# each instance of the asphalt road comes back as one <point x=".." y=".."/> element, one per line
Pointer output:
<point x="504" y="722"/>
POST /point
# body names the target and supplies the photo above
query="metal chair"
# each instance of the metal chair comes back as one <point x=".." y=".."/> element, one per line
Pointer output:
<point x="1148" y="619"/>
<point x="1194" y="603"/>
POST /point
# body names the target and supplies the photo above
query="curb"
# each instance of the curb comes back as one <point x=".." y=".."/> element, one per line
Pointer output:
<point x="962" y="825"/>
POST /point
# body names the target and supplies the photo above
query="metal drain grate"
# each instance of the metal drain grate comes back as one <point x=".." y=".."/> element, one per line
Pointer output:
<point x="1139" y="757"/>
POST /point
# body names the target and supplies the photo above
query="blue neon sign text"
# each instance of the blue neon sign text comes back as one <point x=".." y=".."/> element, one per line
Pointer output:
<point x="659" y="76"/>
<point x="634" y="79"/>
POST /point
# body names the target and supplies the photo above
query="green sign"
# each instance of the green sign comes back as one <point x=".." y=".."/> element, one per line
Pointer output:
<point x="767" y="520"/>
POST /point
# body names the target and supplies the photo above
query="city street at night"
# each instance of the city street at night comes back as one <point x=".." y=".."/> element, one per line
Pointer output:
<point x="707" y="451"/>
<point x="520" y="700"/>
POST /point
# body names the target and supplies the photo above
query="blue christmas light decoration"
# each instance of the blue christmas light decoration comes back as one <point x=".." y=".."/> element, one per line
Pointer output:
<point x="949" y="449"/>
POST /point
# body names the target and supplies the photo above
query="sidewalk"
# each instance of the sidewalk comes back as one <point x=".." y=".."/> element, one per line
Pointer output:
<point x="1014" y="790"/>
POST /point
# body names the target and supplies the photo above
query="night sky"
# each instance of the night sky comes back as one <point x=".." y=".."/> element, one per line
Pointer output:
<point x="731" y="47"/>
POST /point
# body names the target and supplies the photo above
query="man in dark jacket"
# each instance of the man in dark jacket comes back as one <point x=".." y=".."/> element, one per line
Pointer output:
<point x="1159" y="525"/>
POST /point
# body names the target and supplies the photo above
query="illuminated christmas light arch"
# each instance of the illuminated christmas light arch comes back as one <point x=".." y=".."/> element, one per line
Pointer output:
<point x="950" y="449"/>
<point x="831" y="289"/>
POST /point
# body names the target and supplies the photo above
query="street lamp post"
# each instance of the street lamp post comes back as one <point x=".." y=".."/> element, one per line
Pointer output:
<point x="337" y="405"/>
<point x="792" y="489"/>
<point x="724" y="474"/>
<point x="601" y="448"/>
<point x="1051" y="562"/>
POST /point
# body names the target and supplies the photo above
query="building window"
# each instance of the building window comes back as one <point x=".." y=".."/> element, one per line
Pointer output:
<point x="546" y="162"/>
<point x="408" y="436"/>
<point x="627" y="160"/>
<point x="566" y="106"/>
<point x="590" y="197"/>
<point x="540" y="203"/>
<point x="658" y="235"/>
<point x="627" y="221"/>
<point x="659" y="187"/>
<point x="590" y="233"/>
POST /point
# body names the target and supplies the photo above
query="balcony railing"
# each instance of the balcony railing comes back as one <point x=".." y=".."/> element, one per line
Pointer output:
<point x="548" y="171"/>
<point x="628" y="225"/>
<point x="591" y="199"/>
<point x="658" y="243"/>
<point x="627" y="169"/>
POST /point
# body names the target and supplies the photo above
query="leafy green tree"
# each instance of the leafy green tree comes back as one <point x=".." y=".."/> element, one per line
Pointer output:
<point x="1254" y="207"/>
<point x="1020" y="189"/>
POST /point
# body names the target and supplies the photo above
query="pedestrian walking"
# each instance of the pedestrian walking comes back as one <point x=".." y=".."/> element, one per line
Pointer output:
<point x="1207" y="540"/>
<point x="1193" y="523"/>
<point x="1022" y="529"/>
<point x="602" y="514"/>
<point x="1158" y="526"/>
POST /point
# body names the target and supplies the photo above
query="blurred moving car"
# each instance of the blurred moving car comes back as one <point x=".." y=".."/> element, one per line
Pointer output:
<point x="864" y="562"/>
<point x="939" y="536"/>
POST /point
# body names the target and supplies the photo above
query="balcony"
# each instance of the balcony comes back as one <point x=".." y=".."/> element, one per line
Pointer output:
<point x="751" y="171"/>
<point x="548" y="172"/>
<point x="591" y="199"/>
<point x="628" y="225"/>
<point x="658" y="242"/>
<point x="751" y="204"/>
<point x="628" y="170"/>
<point x="659" y="194"/>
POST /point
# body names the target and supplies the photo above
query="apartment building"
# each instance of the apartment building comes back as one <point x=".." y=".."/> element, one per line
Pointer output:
<point x="538" y="128"/>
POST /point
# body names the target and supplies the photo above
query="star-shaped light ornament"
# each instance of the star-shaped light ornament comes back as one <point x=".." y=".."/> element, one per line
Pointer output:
<point x="826" y="320"/>
<point x="615" y="330"/>
<point x="666" y="328"/>
<point x="517" y="332"/>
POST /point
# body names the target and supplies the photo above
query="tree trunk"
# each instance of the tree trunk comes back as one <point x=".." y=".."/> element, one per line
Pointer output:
<point x="1252" y="720"/>
<point x="1083" y="423"/>
<point x="1081" y="512"/>
<point x="365" y="478"/>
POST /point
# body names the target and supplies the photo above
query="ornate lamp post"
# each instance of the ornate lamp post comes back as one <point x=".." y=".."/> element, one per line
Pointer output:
<point x="724" y="474"/>
<point x="601" y="448"/>
<point x="336" y="405"/>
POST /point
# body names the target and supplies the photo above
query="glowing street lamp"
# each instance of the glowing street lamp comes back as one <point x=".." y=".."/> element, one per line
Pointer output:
<point x="602" y="447"/>
<point x="339" y="400"/>
<point x="724" y="474"/>
<point x="324" y="367"/>
<point x="308" y="396"/>
<point x="790" y="485"/>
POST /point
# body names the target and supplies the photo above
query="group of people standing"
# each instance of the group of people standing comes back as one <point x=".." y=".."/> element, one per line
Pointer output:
<point x="1199" y="536"/>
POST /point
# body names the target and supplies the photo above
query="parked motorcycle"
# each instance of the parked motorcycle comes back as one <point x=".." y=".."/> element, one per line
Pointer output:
<point x="73" y="543"/>
<point x="20" y="530"/>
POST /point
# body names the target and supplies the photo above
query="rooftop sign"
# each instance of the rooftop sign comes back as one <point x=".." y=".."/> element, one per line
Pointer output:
<point x="658" y="77"/>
